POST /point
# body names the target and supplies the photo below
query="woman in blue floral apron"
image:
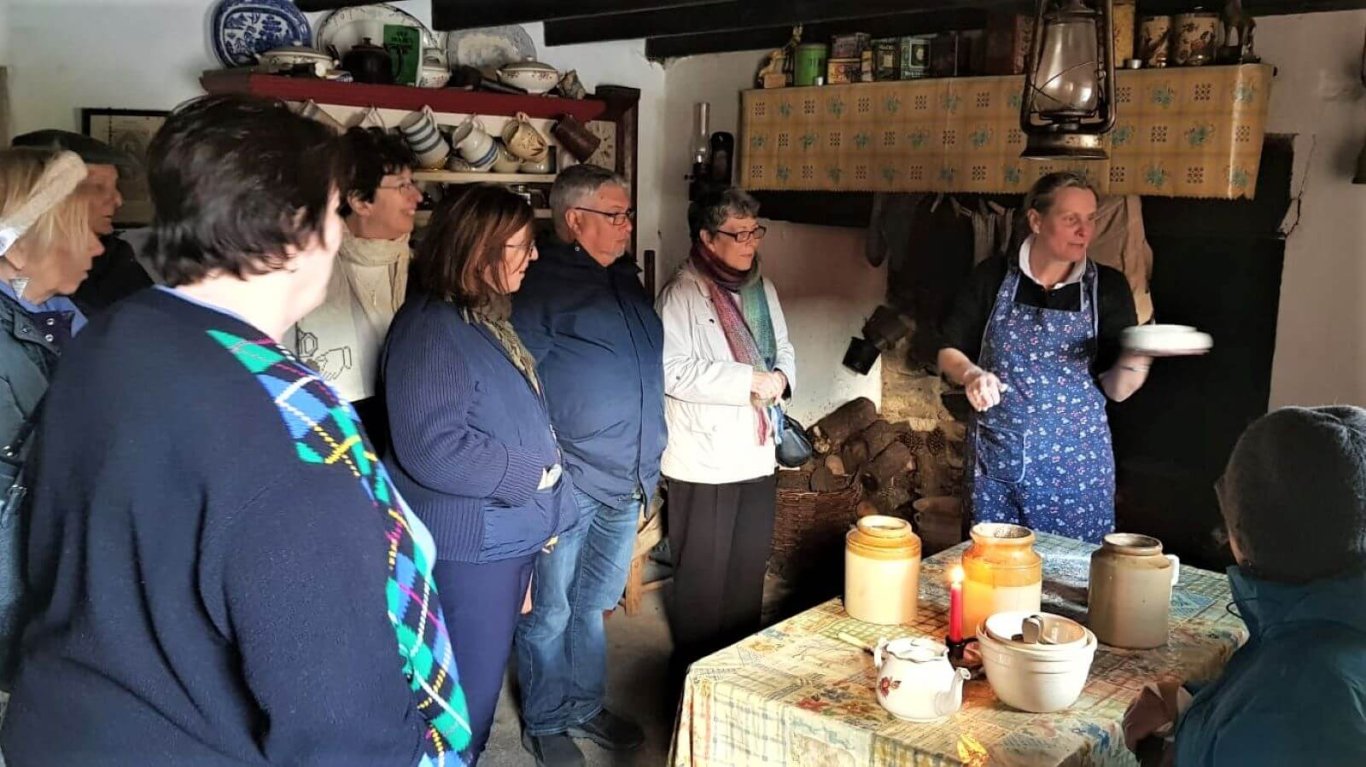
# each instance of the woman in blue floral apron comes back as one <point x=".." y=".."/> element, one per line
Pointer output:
<point x="1044" y="330"/>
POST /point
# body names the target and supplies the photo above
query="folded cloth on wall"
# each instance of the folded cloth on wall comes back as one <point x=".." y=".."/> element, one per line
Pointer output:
<point x="889" y="229"/>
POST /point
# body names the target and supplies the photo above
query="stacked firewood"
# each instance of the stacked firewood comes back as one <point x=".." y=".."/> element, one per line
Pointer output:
<point x="853" y="444"/>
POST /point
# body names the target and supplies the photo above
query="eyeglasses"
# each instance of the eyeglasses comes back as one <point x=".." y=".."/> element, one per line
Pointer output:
<point x="756" y="233"/>
<point x="616" y="219"/>
<point x="526" y="250"/>
<point x="406" y="186"/>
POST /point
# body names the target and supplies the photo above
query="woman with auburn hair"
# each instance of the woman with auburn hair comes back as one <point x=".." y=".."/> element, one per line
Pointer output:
<point x="471" y="445"/>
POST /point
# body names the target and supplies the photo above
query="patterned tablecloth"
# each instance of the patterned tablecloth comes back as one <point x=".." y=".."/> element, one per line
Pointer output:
<point x="794" y="694"/>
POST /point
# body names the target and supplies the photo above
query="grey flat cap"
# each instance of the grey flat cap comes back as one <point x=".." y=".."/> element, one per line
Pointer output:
<point x="92" y="151"/>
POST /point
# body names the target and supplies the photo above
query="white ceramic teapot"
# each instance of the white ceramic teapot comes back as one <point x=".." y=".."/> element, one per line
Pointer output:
<point x="915" y="681"/>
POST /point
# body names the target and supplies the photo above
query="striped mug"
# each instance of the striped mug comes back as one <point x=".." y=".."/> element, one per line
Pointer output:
<point x="420" y="130"/>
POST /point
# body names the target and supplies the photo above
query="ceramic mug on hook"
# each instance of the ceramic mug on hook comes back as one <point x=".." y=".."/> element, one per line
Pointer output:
<point x="371" y="119"/>
<point x="474" y="143"/>
<point x="312" y="111"/>
<point x="420" y="130"/>
<point x="523" y="140"/>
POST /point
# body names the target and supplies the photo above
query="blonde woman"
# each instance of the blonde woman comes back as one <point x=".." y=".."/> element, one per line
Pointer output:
<point x="46" y="248"/>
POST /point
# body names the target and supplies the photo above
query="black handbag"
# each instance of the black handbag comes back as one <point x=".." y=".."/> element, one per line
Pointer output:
<point x="794" y="447"/>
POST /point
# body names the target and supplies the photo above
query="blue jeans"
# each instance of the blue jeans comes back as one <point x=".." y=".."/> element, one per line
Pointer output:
<point x="561" y="644"/>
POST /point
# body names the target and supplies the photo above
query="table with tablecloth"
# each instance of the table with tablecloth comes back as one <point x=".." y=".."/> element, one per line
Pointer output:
<point x="796" y="694"/>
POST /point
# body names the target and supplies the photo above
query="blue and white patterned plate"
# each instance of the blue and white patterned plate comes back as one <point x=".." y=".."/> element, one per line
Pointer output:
<point x="243" y="28"/>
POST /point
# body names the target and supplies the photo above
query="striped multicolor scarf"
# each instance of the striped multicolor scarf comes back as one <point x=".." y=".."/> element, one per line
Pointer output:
<point x="748" y="327"/>
<point x="327" y="432"/>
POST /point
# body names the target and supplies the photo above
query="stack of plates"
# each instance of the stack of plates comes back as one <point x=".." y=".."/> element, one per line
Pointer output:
<point x="1166" y="340"/>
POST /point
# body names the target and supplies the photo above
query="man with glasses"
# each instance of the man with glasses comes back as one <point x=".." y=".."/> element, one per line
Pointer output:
<point x="598" y="344"/>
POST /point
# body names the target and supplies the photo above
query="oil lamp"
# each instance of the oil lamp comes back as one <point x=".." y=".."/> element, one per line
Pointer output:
<point x="1069" y="97"/>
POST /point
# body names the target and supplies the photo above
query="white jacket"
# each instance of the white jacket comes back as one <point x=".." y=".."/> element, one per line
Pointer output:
<point x="712" y="425"/>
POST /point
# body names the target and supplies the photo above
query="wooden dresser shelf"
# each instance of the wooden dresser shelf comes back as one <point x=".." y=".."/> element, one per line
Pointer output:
<point x="398" y="96"/>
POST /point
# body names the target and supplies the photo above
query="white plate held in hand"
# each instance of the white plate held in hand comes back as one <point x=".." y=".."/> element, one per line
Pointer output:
<point x="1166" y="340"/>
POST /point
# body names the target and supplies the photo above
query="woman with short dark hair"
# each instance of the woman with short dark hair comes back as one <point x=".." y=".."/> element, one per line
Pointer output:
<point x="1036" y="342"/>
<point x="471" y="444"/>
<point x="342" y="338"/>
<point x="225" y="573"/>
<point x="728" y="364"/>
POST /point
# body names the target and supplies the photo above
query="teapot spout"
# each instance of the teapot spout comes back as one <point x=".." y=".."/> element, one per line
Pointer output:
<point x="949" y="701"/>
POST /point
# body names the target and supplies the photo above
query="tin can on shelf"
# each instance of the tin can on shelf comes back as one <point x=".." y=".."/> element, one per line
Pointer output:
<point x="1154" y="41"/>
<point x="1124" y="11"/>
<point x="842" y="71"/>
<point x="887" y="59"/>
<point x="915" y="57"/>
<point x="1196" y="38"/>
<point x="849" y="46"/>
<point x="809" y="63"/>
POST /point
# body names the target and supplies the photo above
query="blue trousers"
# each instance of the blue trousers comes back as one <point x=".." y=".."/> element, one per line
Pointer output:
<point x="561" y="645"/>
<point x="482" y="603"/>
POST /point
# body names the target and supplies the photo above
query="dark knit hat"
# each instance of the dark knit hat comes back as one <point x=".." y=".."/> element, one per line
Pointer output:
<point x="1294" y="493"/>
<point x="92" y="151"/>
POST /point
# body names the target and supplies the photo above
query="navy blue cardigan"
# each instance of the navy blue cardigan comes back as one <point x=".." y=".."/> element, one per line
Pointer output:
<point x="206" y="598"/>
<point x="469" y="437"/>
<point x="599" y="348"/>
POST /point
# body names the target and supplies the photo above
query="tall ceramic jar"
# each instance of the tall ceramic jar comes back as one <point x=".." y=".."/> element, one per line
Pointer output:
<point x="1001" y="572"/>
<point x="1130" y="591"/>
<point x="882" y="571"/>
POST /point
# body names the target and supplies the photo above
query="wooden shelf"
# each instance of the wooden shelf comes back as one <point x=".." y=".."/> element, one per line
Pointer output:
<point x="403" y="97"/>
<point x="453" y="177"/>
<point x="424" y="217"/>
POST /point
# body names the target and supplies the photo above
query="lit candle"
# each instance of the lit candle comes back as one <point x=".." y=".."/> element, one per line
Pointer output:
<point x="956" y="604"/>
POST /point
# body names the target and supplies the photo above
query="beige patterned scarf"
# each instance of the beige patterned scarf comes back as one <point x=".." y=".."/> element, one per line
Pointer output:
<point x="496" y="316"/>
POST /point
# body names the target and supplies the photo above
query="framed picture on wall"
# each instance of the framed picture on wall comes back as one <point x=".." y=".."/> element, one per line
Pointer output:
<point x="130" y="130"/>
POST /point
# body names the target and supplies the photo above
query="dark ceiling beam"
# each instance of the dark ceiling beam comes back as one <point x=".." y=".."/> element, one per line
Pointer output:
<point x="466" y="14"/>
<point x="749" y="14"/>
<point x="768" y="38"/>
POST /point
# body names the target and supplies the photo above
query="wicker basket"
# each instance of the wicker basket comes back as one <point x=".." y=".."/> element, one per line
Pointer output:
<point x="810" y="525"/>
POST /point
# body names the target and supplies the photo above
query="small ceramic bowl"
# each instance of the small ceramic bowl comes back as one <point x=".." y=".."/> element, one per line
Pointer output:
<point x="458" y="164"/>
<point x="505" y="162"/>
<point x="541" y="165"/>
<point x="531" y="76"/>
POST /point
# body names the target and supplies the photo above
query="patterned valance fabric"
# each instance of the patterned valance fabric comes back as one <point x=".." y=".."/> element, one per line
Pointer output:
<point x="1181" y="132"/>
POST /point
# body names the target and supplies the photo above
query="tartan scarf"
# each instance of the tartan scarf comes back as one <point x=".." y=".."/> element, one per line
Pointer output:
<point x="748" y="327"/>
<point x="327" y="432"/>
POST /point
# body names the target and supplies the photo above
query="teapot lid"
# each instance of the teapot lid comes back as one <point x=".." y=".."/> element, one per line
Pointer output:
<point x="916" y="649"/>
<point x="366" y="44"/>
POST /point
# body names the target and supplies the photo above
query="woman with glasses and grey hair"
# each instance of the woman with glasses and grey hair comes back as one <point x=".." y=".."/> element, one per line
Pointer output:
<point x="727" y="365"/>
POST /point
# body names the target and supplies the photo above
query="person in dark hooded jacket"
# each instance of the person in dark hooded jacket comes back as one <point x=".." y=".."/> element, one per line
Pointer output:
<point x="1294" y="500"/>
